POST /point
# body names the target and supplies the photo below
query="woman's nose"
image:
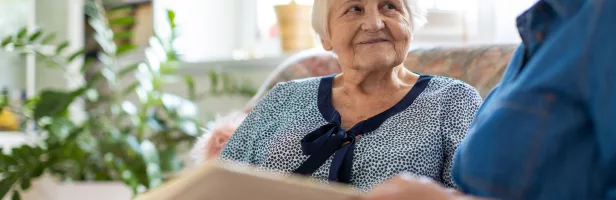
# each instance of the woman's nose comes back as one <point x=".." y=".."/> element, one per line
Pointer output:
<point x="372" y="21"/>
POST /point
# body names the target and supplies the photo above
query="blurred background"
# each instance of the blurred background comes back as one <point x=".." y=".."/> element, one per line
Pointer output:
<point x="95" y="77"/>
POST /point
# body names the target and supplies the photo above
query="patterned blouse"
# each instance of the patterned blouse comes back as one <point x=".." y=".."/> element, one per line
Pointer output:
<point x="295" y="129"/>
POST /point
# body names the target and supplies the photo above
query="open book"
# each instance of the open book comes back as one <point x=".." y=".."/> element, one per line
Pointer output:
<point x="216" y="181"/>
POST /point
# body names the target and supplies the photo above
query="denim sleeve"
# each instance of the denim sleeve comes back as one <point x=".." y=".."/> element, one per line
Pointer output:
<point x="599" y="85"/>
<point x="549" y="130"/>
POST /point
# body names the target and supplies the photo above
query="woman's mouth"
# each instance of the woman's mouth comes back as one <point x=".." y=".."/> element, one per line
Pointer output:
<point x="374" y="41"/>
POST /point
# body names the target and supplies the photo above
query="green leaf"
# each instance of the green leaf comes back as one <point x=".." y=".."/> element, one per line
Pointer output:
<point x="128" y="69"/>
<point x="7" y="159"/>
<point x="38" y="171"/>
<point x="213" y="79"/>
<point x="36" y="35"/>
<point x="31" y="103"/>
<point x="6" y="184"/>
<point x="75" y="55"/>
<point x="171" y="18"/>
<point x="190" y="83"/>
<point x="228" y="81"/>
<point x="49" y="38"/>
<point x="124" y="35"/>
<point x="16" y="196"/>
<point x="60" y="127"/>
<point x="133" y="143"/>
<point x="119" y="10"/>
<point x="74" y="133"/>
<point x="170" y="162"/>
<point x="61" y="47"/>
<point x="151" y="158"/>
<point x="87" y="64"/>
<point x="121" y="21"/>
<point x="19" y="154"/>
<point x="131" y="88"/>
<point x="6" y="41"/>
<point x="22" y="32"/>
<point x="125" y="48"/>
<point x="169" y="68"/>
<point x="25" y="184"/>
<point x="52" y="103"/>
<point x="28" y="154"/>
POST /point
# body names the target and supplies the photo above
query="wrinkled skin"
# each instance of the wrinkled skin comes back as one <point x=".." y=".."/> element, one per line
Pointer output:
<point x="369" y="35"/>
<point x="371" y="39"/>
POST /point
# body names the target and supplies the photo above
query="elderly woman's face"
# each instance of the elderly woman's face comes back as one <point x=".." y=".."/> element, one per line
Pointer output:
<point x="369" y="34"/>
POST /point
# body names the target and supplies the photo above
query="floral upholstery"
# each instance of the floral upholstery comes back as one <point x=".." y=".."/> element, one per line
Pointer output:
<point x="479" y="66"/>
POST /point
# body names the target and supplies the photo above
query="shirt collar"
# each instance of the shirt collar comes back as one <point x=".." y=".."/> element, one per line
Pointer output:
<point x="564" y="8"/>
<point x="561" y="8"/>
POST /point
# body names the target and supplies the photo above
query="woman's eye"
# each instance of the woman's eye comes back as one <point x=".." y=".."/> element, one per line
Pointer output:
<point x="354" y="9"/>
<point x="389" y="6"/>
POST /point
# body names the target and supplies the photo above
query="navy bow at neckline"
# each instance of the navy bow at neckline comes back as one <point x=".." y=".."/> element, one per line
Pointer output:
<point x="320" y="144"/>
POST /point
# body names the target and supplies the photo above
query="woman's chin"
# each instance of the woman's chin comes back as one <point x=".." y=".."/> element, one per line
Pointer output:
<point x="376" y="60"/>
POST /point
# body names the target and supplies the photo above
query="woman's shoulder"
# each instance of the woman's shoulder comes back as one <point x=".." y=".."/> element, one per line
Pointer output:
<point x="454" y="88"/>
<point x="291" y="92"/>
<point x="457" y="97"/>
<point x="304" y="83"/>
<point x="296" y="86"/>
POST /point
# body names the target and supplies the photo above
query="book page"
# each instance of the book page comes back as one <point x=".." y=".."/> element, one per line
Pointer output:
<point x="216" y="181"/>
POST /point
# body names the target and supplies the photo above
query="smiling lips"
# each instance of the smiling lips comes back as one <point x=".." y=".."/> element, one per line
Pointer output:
<point x="374" y="41"/>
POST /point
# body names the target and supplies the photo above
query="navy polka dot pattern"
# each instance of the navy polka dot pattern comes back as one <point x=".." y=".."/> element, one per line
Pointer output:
<point x="419" y="140"/>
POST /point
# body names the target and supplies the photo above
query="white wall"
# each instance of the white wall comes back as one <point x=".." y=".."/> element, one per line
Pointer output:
<point x="208" y="27"/>
<point x="14" y="14"/>
<point x="505" y="13"/>
<point x="215" y="29"/>
<point x="211" y="106"/>
<point x="66" y="19"/>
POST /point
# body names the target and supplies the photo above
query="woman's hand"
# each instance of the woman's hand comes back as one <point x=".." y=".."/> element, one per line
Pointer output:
<point x="408" y="188"/>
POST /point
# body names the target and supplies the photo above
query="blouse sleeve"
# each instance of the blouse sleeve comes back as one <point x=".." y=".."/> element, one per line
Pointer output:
<point x="265" y="114"/>
<point x="460" y="104"/>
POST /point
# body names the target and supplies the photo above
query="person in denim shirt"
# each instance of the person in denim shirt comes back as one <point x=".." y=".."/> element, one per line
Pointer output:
<point x="548" y="129"/>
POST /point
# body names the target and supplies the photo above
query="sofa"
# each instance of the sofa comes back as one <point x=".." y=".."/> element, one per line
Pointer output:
<point x="479" y="66"/>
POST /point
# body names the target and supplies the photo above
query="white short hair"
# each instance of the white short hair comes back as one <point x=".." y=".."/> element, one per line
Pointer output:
<point x="320" y="14"/>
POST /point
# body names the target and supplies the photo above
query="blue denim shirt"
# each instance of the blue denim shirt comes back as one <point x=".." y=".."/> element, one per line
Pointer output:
<point x="548" y="130"/>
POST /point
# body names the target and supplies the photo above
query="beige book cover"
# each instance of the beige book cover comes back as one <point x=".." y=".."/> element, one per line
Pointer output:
<point x="217" y="181"/>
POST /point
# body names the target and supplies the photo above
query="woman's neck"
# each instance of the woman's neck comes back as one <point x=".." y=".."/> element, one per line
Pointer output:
<point x="368" y="83"/>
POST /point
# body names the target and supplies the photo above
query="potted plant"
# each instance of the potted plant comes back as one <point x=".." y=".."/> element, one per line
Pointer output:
<point x="138" y="142"/>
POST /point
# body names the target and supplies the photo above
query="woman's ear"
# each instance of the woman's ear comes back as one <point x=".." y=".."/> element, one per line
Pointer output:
<point x="326" y="45"/>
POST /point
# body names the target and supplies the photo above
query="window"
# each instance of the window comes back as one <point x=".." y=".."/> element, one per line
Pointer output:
<point x="448" y="19"/>
<point x="449" y="5"/>
<point x="215" y="30"/>
<point x="267" y="16"/>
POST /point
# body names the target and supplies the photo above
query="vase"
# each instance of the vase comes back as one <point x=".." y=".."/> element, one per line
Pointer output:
<point x="295" y="28"/>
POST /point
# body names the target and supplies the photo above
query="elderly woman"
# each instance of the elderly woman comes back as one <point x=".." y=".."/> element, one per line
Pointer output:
<point x="371" y="122"/>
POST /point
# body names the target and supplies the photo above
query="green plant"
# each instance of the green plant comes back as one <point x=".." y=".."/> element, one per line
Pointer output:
<point x="131" y="132"/>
